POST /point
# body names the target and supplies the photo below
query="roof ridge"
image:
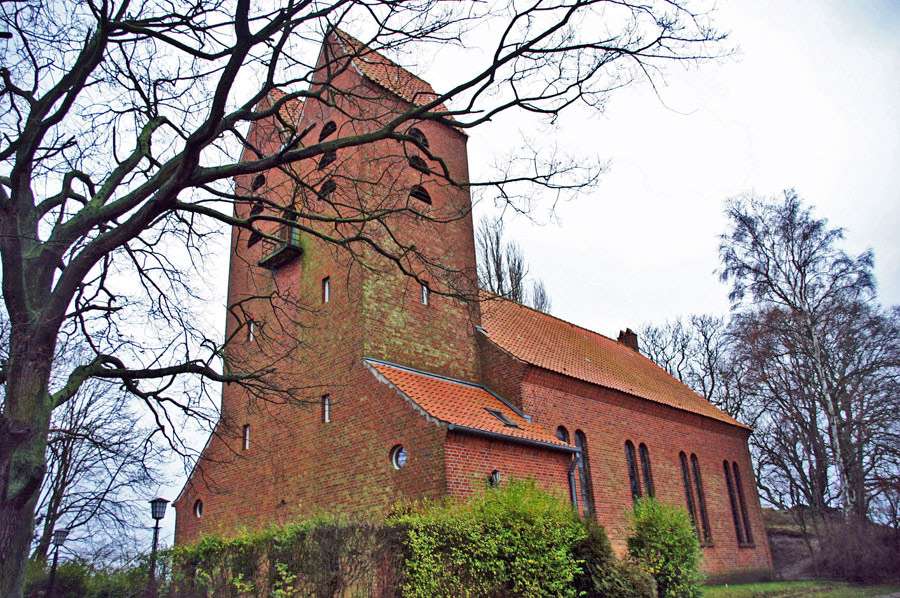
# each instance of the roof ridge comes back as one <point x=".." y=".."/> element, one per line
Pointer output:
<point x="557" y="318"/>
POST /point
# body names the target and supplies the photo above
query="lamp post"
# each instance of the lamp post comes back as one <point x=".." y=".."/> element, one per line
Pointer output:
<point x="59" y="536"/>
<point x="157" y="511"/>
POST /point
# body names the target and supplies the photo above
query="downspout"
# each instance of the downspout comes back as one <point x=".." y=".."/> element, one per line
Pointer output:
<point x="576" y="456"/>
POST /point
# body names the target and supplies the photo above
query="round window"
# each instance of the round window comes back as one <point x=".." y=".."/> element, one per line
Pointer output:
<point x="398" y="456"/>
<point x="198" y="508"/>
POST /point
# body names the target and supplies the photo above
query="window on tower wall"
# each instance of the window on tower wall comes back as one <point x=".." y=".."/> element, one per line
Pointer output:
<point x="245" y="437"/>
<point x="425" y="294"/>
<point x="326" y="289"/>
<point x="326" y="408"/>
<point x="329" y="128"/>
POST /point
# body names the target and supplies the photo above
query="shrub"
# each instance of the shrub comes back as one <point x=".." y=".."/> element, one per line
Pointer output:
<point x="516" y="541"/>
<point x="664" y="542"/>
<point x="860" y="552"/>
<point x="602" y="574"/>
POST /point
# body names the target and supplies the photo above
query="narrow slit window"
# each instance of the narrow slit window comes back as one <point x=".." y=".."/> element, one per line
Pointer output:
<point x="502" y="417"/>
<point x="732" y="499"/>
<point x="632" y="471"/>
<point x="562" y="433"/>
<point x="688" y="493"/>
<point x="418" y="135"/>
<point x="326" y="408"/>
<point x="329" y="128"/>
<point x="584" y="473"/>
<point x="425" y="294"/>
<point x="701" y="499"/>
<point x="739" y="488"/>
<point x="326" y="289"/>
<point x="418" y="162"/>
<point x="648" y="473"/>
<point x="325" y="191"/>
<point x="252" y="330"/>
<point x="327" y="158"/>
<point x="419" y="192"/>
<point x="245" y="437"/>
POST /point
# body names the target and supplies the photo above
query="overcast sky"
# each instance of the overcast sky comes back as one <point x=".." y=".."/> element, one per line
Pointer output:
<point x="810" y="102"/>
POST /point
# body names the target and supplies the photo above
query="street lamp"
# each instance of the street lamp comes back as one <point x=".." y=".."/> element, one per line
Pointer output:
<point x="59" y="537"/>
<point x="157" y="511"/>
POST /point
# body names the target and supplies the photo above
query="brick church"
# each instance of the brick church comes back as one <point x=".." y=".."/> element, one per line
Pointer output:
<point x="402" y="389"/>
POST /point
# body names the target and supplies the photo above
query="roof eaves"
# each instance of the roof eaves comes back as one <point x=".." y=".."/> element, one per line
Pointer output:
<point x="529" y="441"/>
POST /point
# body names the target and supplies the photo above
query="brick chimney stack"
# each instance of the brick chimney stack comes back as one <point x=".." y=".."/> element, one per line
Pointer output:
<point x="628" y="337"/>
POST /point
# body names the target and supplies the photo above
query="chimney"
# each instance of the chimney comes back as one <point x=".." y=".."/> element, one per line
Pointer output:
<point x="629" y="339"/>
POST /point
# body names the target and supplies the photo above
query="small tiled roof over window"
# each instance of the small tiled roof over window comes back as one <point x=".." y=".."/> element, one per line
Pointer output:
<point x="462" y="404"/>
<point x="558" y="346"/>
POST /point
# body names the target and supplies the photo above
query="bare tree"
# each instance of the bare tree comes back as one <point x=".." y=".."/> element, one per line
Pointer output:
<point x="124" y="125"/>
<point x="502" y="269"/>
<point x="697" y="351"/>
<point x="822" y="354"/>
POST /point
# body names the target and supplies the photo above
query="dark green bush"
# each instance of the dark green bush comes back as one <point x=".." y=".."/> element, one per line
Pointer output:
<point x="664" y="542"/>
<point x="605" y="576"/>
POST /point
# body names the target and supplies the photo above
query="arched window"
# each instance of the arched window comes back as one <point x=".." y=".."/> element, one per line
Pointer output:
<point x="327" y="130"/>
<point x="418" y="135"/>
<point x="258" y="182"/>
<point x="562" y="433"/>
<point x="419" y="192"/>
<point x="198" y="508"/>
<point x="739" y="488"/>
<point x="327" y="188"/>
<point x="632" y="471"/>
<point x="701" y="499"/>
<point x="645" y="466"/>
<point x="418" y="162"/>
<point x="688" y="493"/>
<point x="327" y="158"/>
<point x="584" y="473"/>
<point x="732" y="499"/>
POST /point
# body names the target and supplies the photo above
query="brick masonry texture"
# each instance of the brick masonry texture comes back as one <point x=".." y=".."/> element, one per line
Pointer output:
<point x="297" y="465"/>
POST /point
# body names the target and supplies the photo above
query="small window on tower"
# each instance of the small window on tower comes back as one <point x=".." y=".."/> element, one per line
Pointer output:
<point x="326" y="289"/>
<point x="326" y="408"/>
<point x="418" y="135"/>
<point x="245" y="442"/>
<point x="325" y="191"/>
<point x="419" y="164"/>
<point x="258" y="182"/>
<point x="419" y="192"/>
<point x="329" y="128"/>
<point x="252" y="330"/>
<point x="255" y="237"/>
<point x="327" y="158"/>
<point x="425" y="293"/>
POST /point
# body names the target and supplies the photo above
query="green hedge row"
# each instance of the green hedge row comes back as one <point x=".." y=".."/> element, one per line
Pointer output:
<point x="514" y="542"/>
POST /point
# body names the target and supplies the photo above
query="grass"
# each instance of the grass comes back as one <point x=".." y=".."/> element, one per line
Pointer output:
<point x="798" y="589"/>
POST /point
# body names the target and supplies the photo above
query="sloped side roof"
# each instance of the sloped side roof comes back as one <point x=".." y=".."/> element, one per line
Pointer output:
<point x="461" y="404"/>
<point x="558" y="346"/>
<point x="387" y="73"/>
<point x="291" y="110"/>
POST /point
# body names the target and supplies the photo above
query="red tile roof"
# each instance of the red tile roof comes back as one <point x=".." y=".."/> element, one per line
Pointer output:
<point x="556" y="345"/>
<point x="290" y="111"/>
<point x="461" y="404"/>
<point x="388" y="73"/>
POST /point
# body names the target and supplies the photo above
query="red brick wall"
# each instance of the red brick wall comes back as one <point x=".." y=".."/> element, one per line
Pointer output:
<point x="608" y="418"/>
<point x="471" y="459"/>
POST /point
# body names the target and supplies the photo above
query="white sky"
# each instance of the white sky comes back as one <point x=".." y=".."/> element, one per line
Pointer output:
<point x="810" y="102"/>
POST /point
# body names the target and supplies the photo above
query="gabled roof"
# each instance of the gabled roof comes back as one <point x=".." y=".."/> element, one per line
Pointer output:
<point x="387" y="73"/>
<point x="558" y="346"/>
<point x="463" y="405"/>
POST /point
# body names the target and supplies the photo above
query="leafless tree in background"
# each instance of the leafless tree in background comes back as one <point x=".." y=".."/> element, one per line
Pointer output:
<point x="502" y="269"/>
<point x="822" y="357"/>
<point x="123" y="126"/>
